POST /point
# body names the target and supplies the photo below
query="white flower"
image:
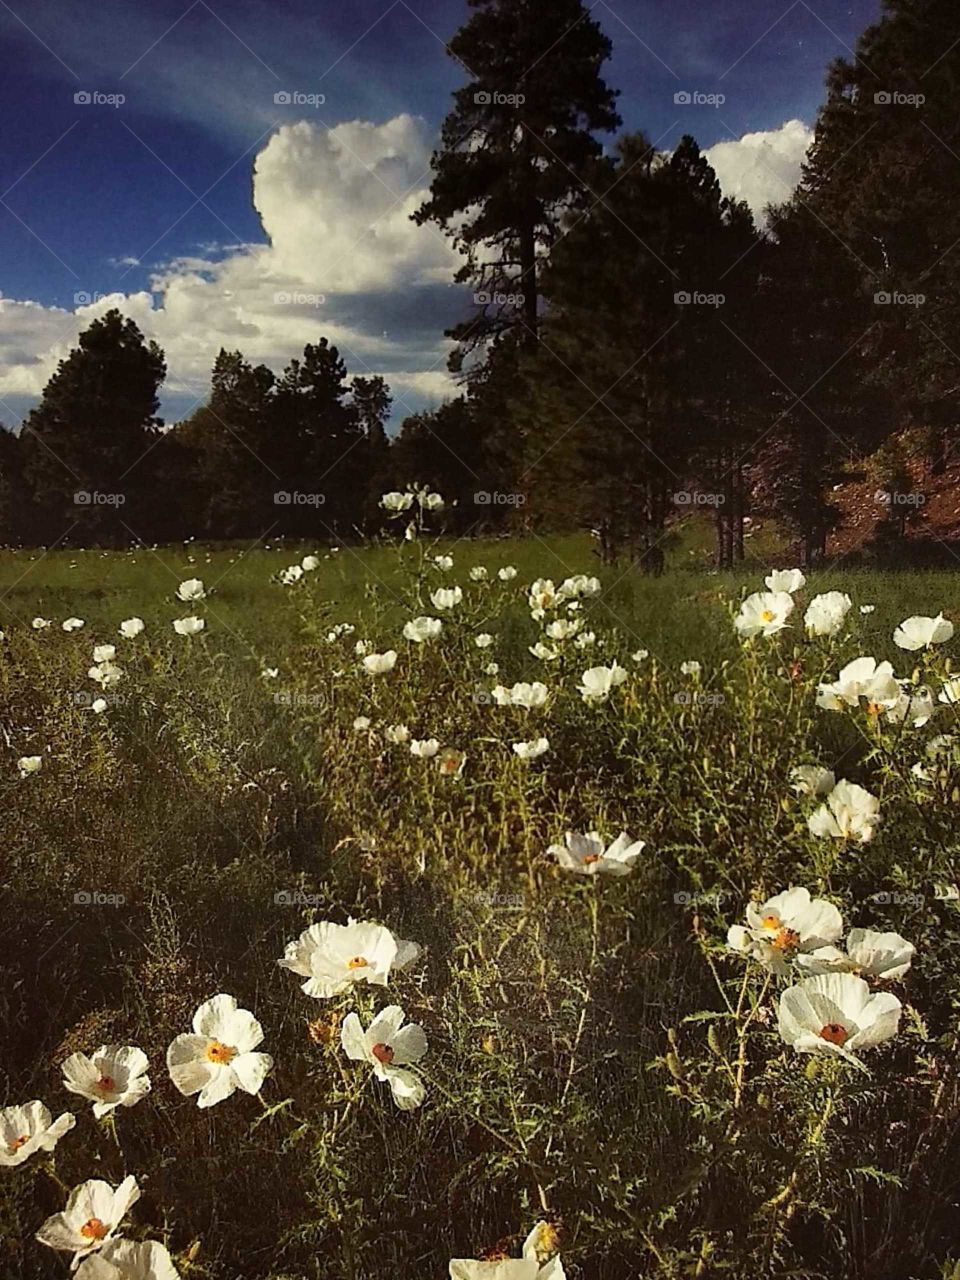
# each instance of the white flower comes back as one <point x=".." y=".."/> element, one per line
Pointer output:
<point x="94" y="1212"/>
<point x="826" y="613"/>
<point x="104" y="652"/>
<point x="341" y="629"/>
<point x="950" y="692"/>
<point x="397" y="734"/>
<point x="788" y="580"/>
<point x="106" y="674"/>
<point x="293" y="573"/>
<point x="218" y="1058"/>
<point x="868" y="608"/>
<point x="507" y="573"/>
<point x="396" y="503"/>
<point x="563" y="628"/>
<point x="534" y="1264"/>
<point x="913" y="705"/>
<point x="586" y="856"/>
<point x="531" y="696"/>
<point x="40" y="624"/>
<point x="921" y="633"/>
<point x="531" y="750"/>
<point x="429" y="501"/>
<point x="451" y="761"/>
<point x="131" y="628"/>
<point x="191" y="626"/>
<point x="836" y="1013"/>
<point x="579" y="585"/>
<point x="586" y="639"/>
<point x="812" y="780"/>
<point x="115" y="1076"/>
<point x="764" y="613"/>
<point x="129" y="1260"/>
<point x="191" y="589"/>
<point x="784" y="926"/>
<point x="599" y="682"/>
<point x="690" y="668"/>
<point x="492" y="669"/>
<point x="545" y="652"/>
<point x="424" y="748"/>
<point x="98" y="706"/>
<point x="29" y="764"/>
<point x="862" y="678"/>
<point x="332" y="957"/>
<point x="446" y="597"/>
<point x="309" y="563"/>
<point x="851" y="813"/>
<point x="72" y="624"/>
<point x="390" y="1048"/>
<point x="878" y="955"/>
<point x="641" y="655"/>
<point x="421" y="629"/>
<point x="362" y="723"/>
<point x="29" y="1128"/>
<point x="361" y="647"/>
<point x="443" y="563"/>
<point x="378" y="664"/>
<point x="484" y="640"/>
<point x="543" y="595"/>
<point x="478" y="573"/>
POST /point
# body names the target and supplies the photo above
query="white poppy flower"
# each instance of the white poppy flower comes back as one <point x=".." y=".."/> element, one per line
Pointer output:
<point x="29" y="764"/>
<point x="451" y="762"/>
<point x="98" y="706"/>
<point x="484" y="640"/>
<point x="378" y="664"/>
<point x="361" y="647"/>
<point x="362" y="723"/>
<point x="446" y="597"/>
<point x="563" y="628"/>
<point x="599" y="682"/>
<point x="332" y="957"/>
<point x="586" y="639"/>
<point x="920" y="633"/>
<point x="422" y="629"/>
<point x="293" y="573"/>
<point x="94" y="1212"/>
<point x="478" y="573"/>
<point x="443" y="563"/>
<point x="579" y="585"/>
<point x="543" y="595"/>
<point x="585" y="855"/>
<point x="690" y="668"/>
<point x="788" y="580"/>
<point x="424" y="748"/>
<point x="131" y="628"/>
<point x="837" y="1014"/>
<point x="535" y="1263"/>
<point x="862" y="678"/>
<point x="826" y="613"/>
<point x="397" y="734"/>
<point x="764" y="613"/>
<point x="786" y="925"/>
<point x="396" y="503"/>
<point x="492" y="669"/>
<point x="390" y="1048"/>
<point x="29" y="1128"/>
<point x="914" y="705"/>
<point x="129" y="1260"/>
<point x="507" y="573"/>
<point x="868" y="608"/>
<point x="309" y="563"/>
<point x="104" y="653"/>
<point x="531" y="696"/>
<point x="850" y="813"/>
<point x="430" y="501"/>
<point x="545" y="652"/>
<point x="869" y="953"/>
<point x="191" y="589"/>
<point x="812" y="780"/>
<point x="950" y="692"/>
<point x="106" y="674"/>
<point x="40" y="624"/>
<point x="191" y="626"/>
<point x="641" y="655"/>
<point x="114" y="1076"/>
<point x="531" y="750"/>
<point x="72" y="624"/>
<point x="218" y="1058"/>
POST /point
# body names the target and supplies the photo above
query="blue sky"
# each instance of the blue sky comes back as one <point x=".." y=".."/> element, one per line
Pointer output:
<point x="151" y="197"/>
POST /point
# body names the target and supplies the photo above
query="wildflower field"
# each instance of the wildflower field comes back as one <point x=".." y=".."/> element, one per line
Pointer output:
<point x="473" y="910"/>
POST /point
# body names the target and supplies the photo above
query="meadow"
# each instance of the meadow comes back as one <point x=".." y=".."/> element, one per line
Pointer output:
<point x="615" y="1075"/>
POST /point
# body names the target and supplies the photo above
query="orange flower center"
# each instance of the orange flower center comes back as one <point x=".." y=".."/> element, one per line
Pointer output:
<point x="383" y="1053"/>
<point x="875" y="709"/>
<point x="591" y="858"/>
<point x="358" y="962"/>
<point x="105" y="1084"/>
<point x="220" y="1053"/>
<point x="17" y="1143"/>
<point x="93" y="1229"/>
<point x="835" y="1033"/>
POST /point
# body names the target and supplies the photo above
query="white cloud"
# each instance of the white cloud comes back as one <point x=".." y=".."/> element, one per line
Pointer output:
<point x="762" y="168"/>
<point x="342" y="260"/>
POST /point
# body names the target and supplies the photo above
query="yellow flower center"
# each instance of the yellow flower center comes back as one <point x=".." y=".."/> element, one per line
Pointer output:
<point x="383" y="1053"/>
<point x="358" y="962"/>
<point x="93" y="1229"/>
<point x="767" y="616"/>
<point x="220" y="1053"/>
<point x="835" y="1033"/>
<point x="781" y="937"/>
<point x="17" y="1143"/>
<point x="875" y="709"/>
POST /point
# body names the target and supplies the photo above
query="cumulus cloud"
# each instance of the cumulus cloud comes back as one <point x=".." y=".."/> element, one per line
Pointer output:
<point x="341" y="259"/>
<point x="762" y="168"/>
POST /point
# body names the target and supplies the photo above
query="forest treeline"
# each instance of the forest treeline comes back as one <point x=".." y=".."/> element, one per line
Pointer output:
<point x="637" y="345"/>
